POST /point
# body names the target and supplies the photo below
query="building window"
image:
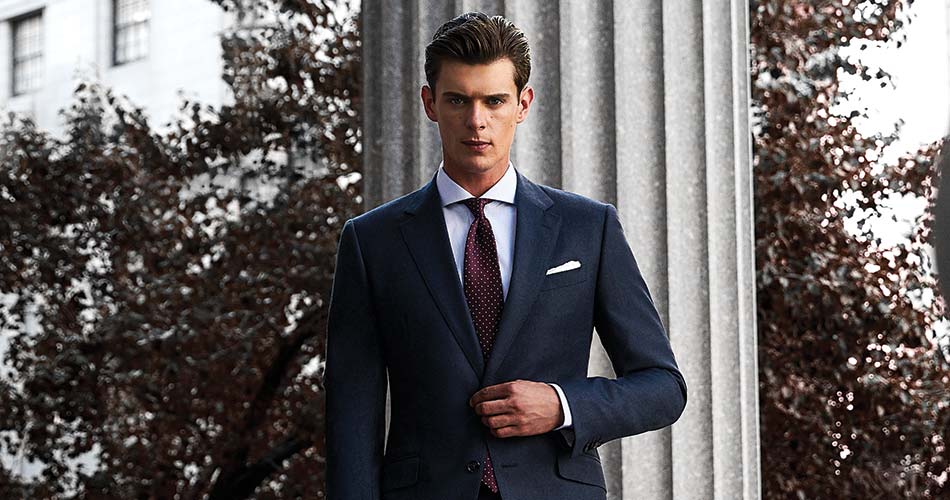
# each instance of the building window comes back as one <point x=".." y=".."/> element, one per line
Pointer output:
<point x="27" y="53"/>
<point x="130" y="30"/>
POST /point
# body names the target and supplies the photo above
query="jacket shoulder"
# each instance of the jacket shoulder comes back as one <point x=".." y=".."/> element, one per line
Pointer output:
<point x="386" y="214"/>
<point x="573" y="203"/>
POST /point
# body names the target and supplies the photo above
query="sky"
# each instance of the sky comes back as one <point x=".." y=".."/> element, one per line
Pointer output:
<point x="921" y="72"/>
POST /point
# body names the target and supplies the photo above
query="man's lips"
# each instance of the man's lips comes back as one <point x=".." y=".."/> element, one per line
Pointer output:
<point x="477" y="145"/>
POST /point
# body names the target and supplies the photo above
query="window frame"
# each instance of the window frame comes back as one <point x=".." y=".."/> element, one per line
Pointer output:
<point x="15" y="24"/>
<point x="116" y="28"/>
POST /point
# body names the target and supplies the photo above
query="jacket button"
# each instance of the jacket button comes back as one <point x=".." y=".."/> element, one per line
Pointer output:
<point x="473" y="466"/>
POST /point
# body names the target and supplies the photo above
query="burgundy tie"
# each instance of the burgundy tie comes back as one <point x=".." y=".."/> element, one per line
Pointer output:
<point x="483" y="292"/>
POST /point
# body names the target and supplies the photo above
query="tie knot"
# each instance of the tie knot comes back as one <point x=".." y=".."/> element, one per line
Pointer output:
<point x="476" y="205"/>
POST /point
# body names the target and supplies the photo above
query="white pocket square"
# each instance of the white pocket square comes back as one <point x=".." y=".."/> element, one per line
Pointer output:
<point x="567" y="266"/>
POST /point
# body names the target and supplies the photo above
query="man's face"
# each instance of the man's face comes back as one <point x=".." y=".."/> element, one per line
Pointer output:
<point x="477" y="107"/>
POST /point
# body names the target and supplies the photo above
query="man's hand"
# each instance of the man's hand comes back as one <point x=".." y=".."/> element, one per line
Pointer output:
<point x="518" y="408"/>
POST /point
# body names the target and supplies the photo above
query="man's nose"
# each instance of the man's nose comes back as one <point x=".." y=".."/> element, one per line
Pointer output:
<point x="476" y="117"/>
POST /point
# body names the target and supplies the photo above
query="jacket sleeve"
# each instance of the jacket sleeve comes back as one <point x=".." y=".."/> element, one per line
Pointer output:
<point x="649" y="392"/>
<point x="354" y="379"/>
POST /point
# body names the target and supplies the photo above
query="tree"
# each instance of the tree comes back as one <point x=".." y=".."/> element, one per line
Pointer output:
<point x="853" y="391"/>
<point x="180" y="317"/>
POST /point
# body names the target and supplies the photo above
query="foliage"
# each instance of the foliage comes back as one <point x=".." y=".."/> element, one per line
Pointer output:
<point x="179" y="278"/>
<point x="853" y="392"/>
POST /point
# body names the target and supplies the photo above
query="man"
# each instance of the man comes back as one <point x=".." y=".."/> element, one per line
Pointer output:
<point x="475" y="297"/>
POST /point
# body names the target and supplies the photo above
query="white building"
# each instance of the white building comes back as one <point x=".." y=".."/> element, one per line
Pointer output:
<point x="148" y="50"/>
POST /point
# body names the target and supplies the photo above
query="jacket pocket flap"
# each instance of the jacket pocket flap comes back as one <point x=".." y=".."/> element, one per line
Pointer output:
<point x="401" y="473"/>
<point x="583" y="469"/>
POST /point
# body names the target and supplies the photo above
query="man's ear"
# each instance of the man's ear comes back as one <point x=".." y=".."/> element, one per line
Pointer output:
<point x="524" y="102"/>
<point x="428" y="102"/>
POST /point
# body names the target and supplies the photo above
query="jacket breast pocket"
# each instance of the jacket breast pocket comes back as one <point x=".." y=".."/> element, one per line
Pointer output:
<point x="564" y="278"/>
<point x="400" y="473"/>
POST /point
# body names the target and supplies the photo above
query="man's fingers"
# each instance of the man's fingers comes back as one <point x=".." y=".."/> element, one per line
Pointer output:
<point x="518" y="408"/>
<point x="494" y="407"/>
<point x="509" y="431"/>
<point x="492" y="392"/>
<point x="499" y="421"/>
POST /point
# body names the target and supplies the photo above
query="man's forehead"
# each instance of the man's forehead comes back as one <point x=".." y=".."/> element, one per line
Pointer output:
<point x="494" y="78"/>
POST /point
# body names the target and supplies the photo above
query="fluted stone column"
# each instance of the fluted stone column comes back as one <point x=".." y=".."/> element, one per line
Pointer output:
<point x="643" y="104"/>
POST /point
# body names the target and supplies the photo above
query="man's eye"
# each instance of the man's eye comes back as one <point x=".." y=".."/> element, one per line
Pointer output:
<point x="456" y="100"/>
<point x="494" y="101"/>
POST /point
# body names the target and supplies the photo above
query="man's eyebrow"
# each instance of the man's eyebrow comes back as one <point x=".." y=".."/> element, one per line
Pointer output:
<point x="503" y="95"/>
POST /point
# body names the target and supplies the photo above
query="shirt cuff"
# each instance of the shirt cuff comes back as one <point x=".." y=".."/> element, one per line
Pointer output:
<point x="568" y="421"/>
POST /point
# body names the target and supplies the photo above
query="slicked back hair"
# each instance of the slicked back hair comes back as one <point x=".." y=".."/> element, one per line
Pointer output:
<point x="476" y="38"/>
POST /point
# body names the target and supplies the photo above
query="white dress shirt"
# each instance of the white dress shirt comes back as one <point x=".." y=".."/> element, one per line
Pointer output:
<point x="501" y="213"/>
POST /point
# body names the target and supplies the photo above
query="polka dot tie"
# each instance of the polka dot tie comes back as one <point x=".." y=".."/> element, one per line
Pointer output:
<point x="483" y="292"/>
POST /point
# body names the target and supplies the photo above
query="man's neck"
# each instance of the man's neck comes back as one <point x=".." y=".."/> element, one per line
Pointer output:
<point x="478" y="183"/>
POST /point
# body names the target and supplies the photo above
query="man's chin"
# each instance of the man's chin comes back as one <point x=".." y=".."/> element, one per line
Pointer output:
<point x="477" y="165"/>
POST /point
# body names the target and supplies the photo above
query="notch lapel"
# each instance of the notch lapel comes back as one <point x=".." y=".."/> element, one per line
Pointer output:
<point x="428" y="241"/>
<point x="536" y="233"/>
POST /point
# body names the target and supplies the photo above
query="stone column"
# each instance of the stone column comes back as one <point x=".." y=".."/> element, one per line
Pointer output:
<point x="643" y="104"/>
<point x="942" y="208"/>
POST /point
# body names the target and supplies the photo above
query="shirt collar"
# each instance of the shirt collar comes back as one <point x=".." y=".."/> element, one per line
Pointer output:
<point x="503" y="190"/>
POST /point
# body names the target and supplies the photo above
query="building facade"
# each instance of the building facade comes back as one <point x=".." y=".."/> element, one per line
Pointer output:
<point x="148" y="50"/>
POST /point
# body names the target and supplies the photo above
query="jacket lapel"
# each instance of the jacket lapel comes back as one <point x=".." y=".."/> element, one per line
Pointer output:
<point x="535" y="235"/>
<point x="536" y="232"/>
<point x="428" y="241"/>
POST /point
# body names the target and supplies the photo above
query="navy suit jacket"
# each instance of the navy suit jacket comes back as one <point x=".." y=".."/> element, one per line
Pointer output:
<point x="398" y="311"/>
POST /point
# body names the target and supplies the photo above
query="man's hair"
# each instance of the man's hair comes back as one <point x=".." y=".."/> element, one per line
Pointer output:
<point x="475" y="38"/>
